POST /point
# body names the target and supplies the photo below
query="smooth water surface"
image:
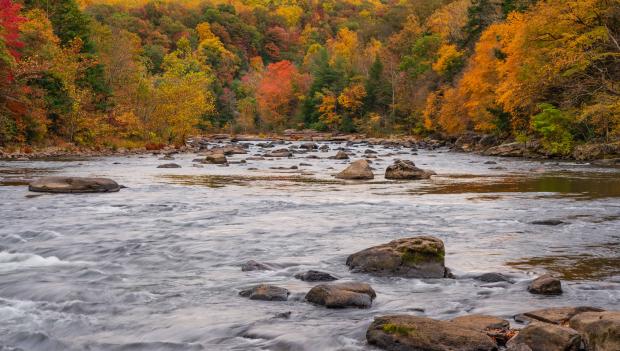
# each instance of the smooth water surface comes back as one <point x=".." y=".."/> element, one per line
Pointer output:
<point x="156" y="266"/>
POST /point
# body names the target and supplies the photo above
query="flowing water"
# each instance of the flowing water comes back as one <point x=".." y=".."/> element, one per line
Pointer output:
<point x="156" y="266"/>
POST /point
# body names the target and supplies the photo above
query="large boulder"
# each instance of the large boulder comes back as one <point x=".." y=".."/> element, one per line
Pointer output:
<point x="547" y="337"/>
<point x="545" y="285"/>
<point x="556" y="315"/>
<point x="266" y="292"/>
<point x="405" y="169"/>
<point x="417" y="257"/>
<point x="216" y="158"/>
<point x="73" y="185"/>
<point x="341" y="295"/>
<point x="359" y="169"/>
<point x="412" y="333"/>
<point x="507" y="150"/>
<point x="600" y="330"/>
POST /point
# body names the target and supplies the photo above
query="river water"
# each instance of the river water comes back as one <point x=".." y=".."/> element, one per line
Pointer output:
<point x="156" y="266"/>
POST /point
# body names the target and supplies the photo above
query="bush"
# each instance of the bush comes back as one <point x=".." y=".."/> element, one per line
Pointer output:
<point x="554" y="126"/>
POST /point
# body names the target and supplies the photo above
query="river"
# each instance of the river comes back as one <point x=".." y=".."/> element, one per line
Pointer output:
<point x="156" y="266"/>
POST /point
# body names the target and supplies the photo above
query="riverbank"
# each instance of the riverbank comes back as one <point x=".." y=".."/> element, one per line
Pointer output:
<point x="603" y="154"/>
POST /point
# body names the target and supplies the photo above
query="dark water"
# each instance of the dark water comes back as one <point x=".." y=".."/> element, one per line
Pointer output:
<point x="157" y="265"/>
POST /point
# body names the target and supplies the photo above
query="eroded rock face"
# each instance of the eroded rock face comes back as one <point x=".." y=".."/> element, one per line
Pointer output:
<point x="404" y="333"/>
<point x="507" y="150"/>
<point x="341" y="295"/>
<point x="357" y="170"/>
<point x="73" y="185"/>
<point x="545" y="285"/>
<point x="406" y="170"/>
<point x="315" y="276"/>
<point x="417" y="257"/>
<point x="600" y="330"/>
<point x="547" y="337"/>
<point x="266" y="292"/>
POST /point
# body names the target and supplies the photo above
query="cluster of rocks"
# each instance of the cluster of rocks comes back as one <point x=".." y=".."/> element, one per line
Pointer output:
<point x="550" y="329"/>
<point x="399" y="170"/>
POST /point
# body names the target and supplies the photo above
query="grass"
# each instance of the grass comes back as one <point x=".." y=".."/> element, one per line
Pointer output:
<point x="391" y="328"/>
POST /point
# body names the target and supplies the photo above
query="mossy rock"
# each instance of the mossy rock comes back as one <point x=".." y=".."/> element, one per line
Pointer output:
<point x="416" y="257"/>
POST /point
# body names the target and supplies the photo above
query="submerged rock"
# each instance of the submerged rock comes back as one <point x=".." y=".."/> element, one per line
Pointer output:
<point x="169" y="165"/>
<point x="545" y="285"/>
<point x="405" y="169"/>
<point x="341" y="295"/>
<point x="266" y="292"/>
<point x="359" y="170"/>
<point x="315" y="276"/>
<point x="417" y="257"/>
<point x="547" y="337"/>
<point x="412" y="333"/>
<point x="252" y="265"/>
<point x="600" y="330"/>
<point x="73" y="185"/>
<point x="548" y="222"/>
<point x="309" y="146"/>
<point x="493" y="278"/>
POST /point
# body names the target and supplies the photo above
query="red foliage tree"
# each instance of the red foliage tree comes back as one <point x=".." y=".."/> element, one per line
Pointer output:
<point x="9" y="26"/>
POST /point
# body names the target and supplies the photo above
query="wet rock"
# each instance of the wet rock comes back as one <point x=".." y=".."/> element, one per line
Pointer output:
<point x="255" y="158"/>
<point x="369" y="151"/>
<point x="324" y="147"/>
<point x="315" y="276"/>
<point x="216" y="159"/>
<point x="518" y="347"/>
<point x="280" y="153"/>
<point x="341" y="295"/>
<point x="166" y="158"/>
<point x="496" y="328"/>
<point x="340" y="155"/>
<point x="548" y="222"/>
<point x="404" y="169"/>
<point x="283" y="315"/>
<point x="417" y="257"/>
<point x="252" y="265"/>
<point x="547" y="337"/>
<point x="545" y="285"/>
<point x="412" y="333"/>
<point x="490" y="163"/>
<point x="309" y="146"/>
<point x="596" y="151"/>
<point x="304" y="164"/>
<point x="359" y="170"/>
<point x="493" y="278"/>
<point x="73" y="185"/>
<point x="266" y="292"/>
<point x="169" y="165"/>
<point x="600" y="330"/>
<point x="556" y="315"/>
<point x="229" y="150"/>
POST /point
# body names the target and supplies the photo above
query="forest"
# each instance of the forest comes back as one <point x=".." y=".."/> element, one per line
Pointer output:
<point x="112" y="73"/>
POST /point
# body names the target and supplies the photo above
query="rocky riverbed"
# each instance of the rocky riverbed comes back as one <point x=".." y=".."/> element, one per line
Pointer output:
<point x="263" y="246"/>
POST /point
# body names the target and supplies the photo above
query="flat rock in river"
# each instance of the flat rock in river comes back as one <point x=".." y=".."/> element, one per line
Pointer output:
<point x="556" y="315"/>
<point x="73" y="185"/>
<point x="266" y="292"/>
<point x="169" y="165"/>
<point x="412" y="333"/>
<point x="341" y="295"/>
<point x="416" y="257"/>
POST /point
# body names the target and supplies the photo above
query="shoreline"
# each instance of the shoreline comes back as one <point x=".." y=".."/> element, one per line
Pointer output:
<point x="602" y="154"/>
